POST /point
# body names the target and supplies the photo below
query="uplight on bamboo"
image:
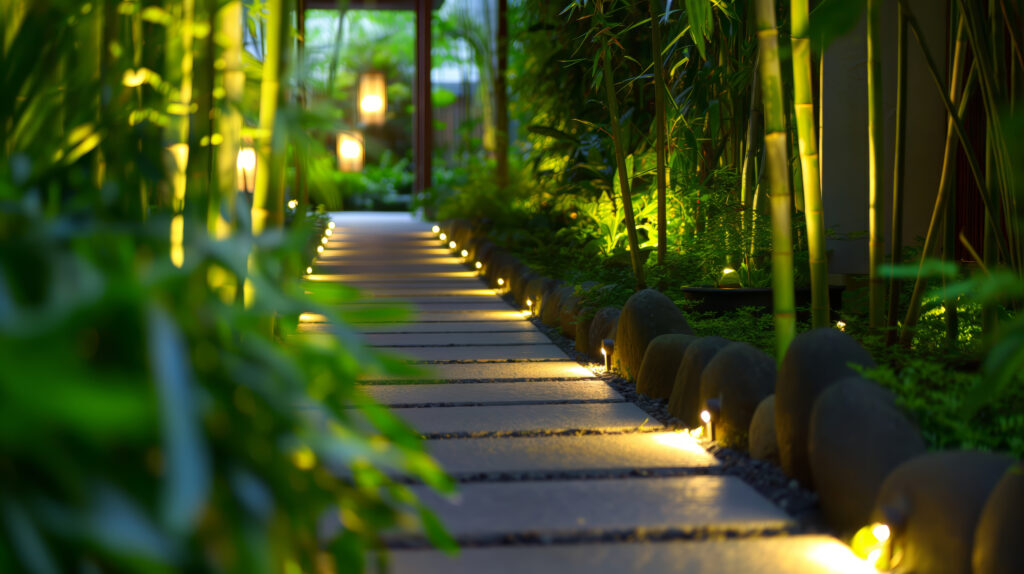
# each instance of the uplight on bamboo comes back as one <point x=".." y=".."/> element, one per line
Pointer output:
<point x="246" y="165"/>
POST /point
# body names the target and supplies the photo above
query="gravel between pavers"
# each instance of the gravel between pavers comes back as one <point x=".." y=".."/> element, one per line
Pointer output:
<point x="765" y="477"/>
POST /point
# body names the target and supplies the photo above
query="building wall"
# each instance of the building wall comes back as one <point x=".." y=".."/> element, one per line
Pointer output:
<point x="844" y="133"/>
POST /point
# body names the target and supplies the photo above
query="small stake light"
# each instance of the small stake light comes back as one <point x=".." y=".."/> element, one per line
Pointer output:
<point x="293" y="203"/>
<point x="451" y="244"/>
<point x="873" y="544"/>
<point x="330" y="225"/>
<point x="529" y="305"/>
<point x="309" y="270"/>
<point x="841" y="325"/>
<point x="319" y="248"/>
<point x="479" y="265"/>
<point x="442" y="237"/>
<point x="328" y="232"/>
<point x="708" y="416"/>
<point x="607" y="348"/>
<point x="324" y="240"/>
<point x="435" y="229"/>
<point x="465" y="253"/>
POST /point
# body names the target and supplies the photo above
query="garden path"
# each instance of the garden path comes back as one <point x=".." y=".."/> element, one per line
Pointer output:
<point x="556" y="471"/>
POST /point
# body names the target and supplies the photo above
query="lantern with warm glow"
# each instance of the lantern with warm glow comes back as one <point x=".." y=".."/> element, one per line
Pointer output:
<point x="373" y="98"/>
<point x="246" y="164"/>
<point x="350" y="151"/>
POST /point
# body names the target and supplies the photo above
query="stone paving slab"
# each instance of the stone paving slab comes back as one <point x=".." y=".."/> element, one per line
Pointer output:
<point x="428" y="294"/>
<point x="524" y="418"/>
<point x="452" y="302"/>
<point x="609" y="452"/>
<point x="481" y="352"/>
<point x="498" y="371"/>
<point x="776" y="555"/>
<point x="561" y="508"/>
<point x="439" y="328"/>
<point x="438" y="317"/>
<point x="495" y="305"/>
<point x="349" y="277"/>
<point x="440" y="339"/>
<point x="506" y="393"/>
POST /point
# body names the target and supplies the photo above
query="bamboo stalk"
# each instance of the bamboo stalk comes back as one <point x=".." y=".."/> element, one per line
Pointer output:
<point x="989" y="314"/>
<point x="895" y="257"/>
<point x="945" y="183"/>
<point x="777" y="165"/>
<point x="660" y="122"/>
<point x="876" y="241"/>
<point x="228" y="119"/>
<point x="803" y="103"/>
<point x="620" y="162"/>
<point x="754" y="123"/>
<point x="267" y="199"/>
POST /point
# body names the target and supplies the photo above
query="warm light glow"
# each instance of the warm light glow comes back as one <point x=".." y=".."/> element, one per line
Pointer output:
<point x="309" y="270"/>
<point x="350" y="152"/>
<point x="841" y="325"/>
<point x="728" y="270"/>
<point x="465" y="253"/>
<point x="872" y="544"/>
<point x="292" y="204"/>
<point x="330" y="225"/>
<point x="604" y="353"/>
<point x="451" y="244"/>
<point x="435" y="229"/>
<point x="324" y="240"/>
<point x="442" y="237"/>
<point x="681" y="440"/>
<point x="177" y="240"/>
<point x="479" y="265"/>
<point x="705" y="416"/>
<point x="246" y="165"/>
<point x="529" y="302"/>
<point x="373" y="98"/>
<point x="501" y="282"/>
<point x="328" y="232"/>
<point x="881" y="532"/>
<point x="319" y="248"/>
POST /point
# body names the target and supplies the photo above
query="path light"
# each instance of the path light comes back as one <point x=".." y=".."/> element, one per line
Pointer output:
<point x="607" y="348"/>
<point x="451" y="245"/>
<point x="350" y="151"/>
<point x="841" y="325"/>
<point x="435" y="229"/>
<point x="373" y="98"/>
<point x="442" y="237"/>
<point x="330" y="225"/>
<point x="479" y="265"/>
<point x="319" y="248"/>
<point x="309" y="270"/>
<point x="529" y="305"/>
<point x="292" y="204"/>
<point x="873" y="544"/>
<point x="246" y="164"/>
<point x="464" y="253"/>
<point x="324" y="240"/>
<point x="328" y="232"/>
<point x="708" y="416"/>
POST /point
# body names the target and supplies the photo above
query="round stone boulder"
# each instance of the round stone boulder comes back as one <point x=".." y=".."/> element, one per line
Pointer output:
<point x="519" y="283"/>
<point x="584" y="318"/>
<point x="740" y="376"/>
<point x="568" y="308"/>
<point x="857" y="437"/>
<point x="932" y="504"/>
<point x="603" y="326"/>
<point x="551" y="309"/>
<point x="815" y="359"/>
<point x="661" y="362"/>
<point x="645" y="315"/>
<point x="684" y="402"/>
<point x="763" y="443"/>
<point x="997" y="540"/>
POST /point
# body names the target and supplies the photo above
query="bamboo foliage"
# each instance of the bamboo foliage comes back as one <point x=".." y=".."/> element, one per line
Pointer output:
<point x="268" y="197"/>
<point x="777" y="166"/>
<point x="660" y="123"/>
<point x="804" y="111"/>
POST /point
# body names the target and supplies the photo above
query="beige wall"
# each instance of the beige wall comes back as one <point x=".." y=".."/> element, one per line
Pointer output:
<point x="844" y="160"/>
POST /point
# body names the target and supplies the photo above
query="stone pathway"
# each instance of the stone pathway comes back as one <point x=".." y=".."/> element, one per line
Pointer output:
<point x="557" y="472"/>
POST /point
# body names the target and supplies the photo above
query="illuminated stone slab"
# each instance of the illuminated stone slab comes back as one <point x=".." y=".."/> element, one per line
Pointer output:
<point x="464" y="305"/>
<point x="438" y="339"/>
<point x="436" y="327"/>
<point x="508" y="393"/>
<point x="773" y="555"/>
<point x="523" y="418"/>
<point x="347" y="277"/>
<point x="497" y="371"/>
<point x="480" y="352"/>
<point x="573" y="507"/>
<point x="609" y="452"/>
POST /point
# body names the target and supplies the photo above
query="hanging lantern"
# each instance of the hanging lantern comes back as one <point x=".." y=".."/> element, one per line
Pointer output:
<point x="246" y="164"/>
<point x="350" y="151"/>
<point x="373" y="98"/>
